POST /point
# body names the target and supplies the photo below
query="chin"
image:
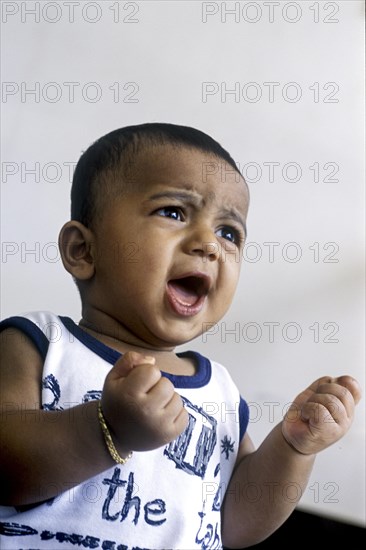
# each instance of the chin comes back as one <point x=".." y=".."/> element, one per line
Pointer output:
<point x="174" y="338"/>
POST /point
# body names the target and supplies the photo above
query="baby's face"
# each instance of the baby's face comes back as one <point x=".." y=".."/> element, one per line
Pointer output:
<point x="168" y="253"/>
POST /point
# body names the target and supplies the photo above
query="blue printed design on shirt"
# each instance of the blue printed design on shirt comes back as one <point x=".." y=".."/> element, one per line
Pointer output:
<point x="207" y="535"/>
<point x="12" y="529"/>
<point x="132" y="504"/>
<point x="216" y="505"/>
<point x="227" y="446"/>
<point x="51" y="383"/>
<point x="92" y="395"/>
<point x="201" y="434"/>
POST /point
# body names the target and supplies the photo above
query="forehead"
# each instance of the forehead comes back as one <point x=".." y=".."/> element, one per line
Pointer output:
<point x="168" y="166"/>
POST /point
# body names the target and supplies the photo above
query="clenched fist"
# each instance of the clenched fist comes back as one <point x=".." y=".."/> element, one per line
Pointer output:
<point x="141" y="407"/>
<point x="321" y="414"/>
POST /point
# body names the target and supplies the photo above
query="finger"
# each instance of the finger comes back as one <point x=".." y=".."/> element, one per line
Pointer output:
<point x="303" y="397"/>
<point x="324" y="409"/>
<point x="340" y="392"/>
<point x="127" y="362"/>
<point x="181" y="421"/>
<point x="170" y="428"/>
<point x="352" y="385"/>
<point x="162" y="392"/>
<point x="319" y="382"/>
<point x="141" y="379"/>
<point x="346" y="381"/>
<point x="175" y="406"/>
<point x="321" y="423"/>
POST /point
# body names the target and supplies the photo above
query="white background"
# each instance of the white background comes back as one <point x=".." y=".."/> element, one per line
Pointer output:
<point x="133" y="62"/>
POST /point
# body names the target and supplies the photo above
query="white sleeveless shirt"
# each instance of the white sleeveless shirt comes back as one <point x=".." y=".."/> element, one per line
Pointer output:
<point x="168" y="498"/>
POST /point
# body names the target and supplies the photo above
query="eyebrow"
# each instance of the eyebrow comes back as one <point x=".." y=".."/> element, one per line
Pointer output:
<point x="197" y="200"/>
<point x="194" y="198"/>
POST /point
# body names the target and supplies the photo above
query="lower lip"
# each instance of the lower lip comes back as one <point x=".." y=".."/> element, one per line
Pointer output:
<point x="183" y="309"/>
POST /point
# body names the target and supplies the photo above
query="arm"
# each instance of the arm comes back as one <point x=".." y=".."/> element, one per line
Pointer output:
<point x="267" y="483"/>
<point x="45" y="453"/>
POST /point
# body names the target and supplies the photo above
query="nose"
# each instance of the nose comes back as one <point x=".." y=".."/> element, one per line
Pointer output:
<point x="202" y="241"/>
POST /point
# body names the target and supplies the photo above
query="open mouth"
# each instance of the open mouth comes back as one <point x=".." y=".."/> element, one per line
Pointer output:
<point x="187" y="294"/>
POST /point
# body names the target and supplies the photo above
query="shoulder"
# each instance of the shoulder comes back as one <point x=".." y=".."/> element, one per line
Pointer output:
<point x="222" y="375"/>
<point x="22" y="358"/>
<point x="38" y="318"/>
<point x="32" y="328"/>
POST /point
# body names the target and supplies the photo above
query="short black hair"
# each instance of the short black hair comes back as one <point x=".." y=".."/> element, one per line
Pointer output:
<point x="115" y="150"/>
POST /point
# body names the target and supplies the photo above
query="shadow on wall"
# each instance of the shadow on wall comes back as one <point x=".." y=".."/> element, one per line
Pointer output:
<point x="302" y="529"/>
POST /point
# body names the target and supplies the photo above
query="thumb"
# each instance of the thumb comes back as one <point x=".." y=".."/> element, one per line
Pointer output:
<point x="124" y="365"/>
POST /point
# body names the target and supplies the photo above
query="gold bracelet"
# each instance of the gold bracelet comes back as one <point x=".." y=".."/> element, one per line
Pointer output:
<point x="108" y="439"/>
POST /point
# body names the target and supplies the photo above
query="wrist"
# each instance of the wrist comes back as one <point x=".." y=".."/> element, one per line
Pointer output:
<point x="109" y="440"/>
<point x="290" y="445"/>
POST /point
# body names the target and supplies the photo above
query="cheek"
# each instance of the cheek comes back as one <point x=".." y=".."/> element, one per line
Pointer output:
<point x="120" y="254"/>
<point x="144" y="270"/>
<point x="126" y="253"/>
<point x="158" y="254"/>
<point x="230" y="280"/>
<point x="232" y="267"/>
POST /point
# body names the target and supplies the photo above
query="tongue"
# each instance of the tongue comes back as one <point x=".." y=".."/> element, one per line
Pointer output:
<point x="184" y="295"/>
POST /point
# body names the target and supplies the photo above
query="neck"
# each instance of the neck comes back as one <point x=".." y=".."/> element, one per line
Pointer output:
<point x="117" y="337"/>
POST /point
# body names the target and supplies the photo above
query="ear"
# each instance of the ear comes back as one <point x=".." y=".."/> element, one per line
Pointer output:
<point x="76" y="247"/>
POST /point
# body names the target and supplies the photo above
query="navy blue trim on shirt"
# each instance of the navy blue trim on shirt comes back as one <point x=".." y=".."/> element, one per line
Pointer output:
<point x="105" y="352"/>
<point x="29" y="328"/>
<point x="202" y="364"/>
<point x="243" y="417"/>
<point x="199" y="379"/>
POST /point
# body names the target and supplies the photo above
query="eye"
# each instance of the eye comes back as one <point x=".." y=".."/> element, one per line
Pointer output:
<point x="230" y="234"/>
<point x="172" y="212"/>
